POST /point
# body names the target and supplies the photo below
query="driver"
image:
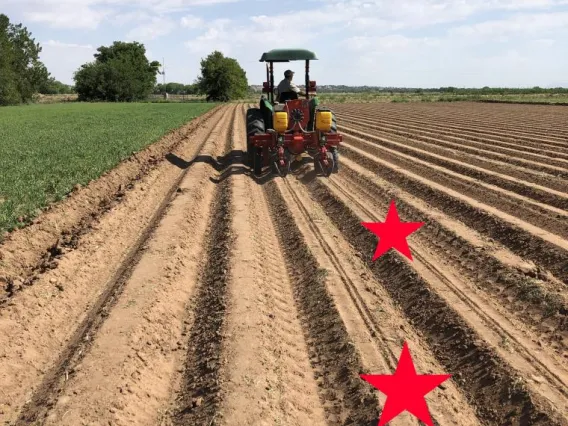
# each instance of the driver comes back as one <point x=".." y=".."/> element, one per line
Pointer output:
<point x="287" y="86"/>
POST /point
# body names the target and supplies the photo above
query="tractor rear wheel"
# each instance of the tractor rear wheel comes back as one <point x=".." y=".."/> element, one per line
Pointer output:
<point x="255" y="125"/>
<point x="258" y="160"/>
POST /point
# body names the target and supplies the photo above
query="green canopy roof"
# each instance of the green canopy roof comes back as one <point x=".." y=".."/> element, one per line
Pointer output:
<point x="287" y="55"/>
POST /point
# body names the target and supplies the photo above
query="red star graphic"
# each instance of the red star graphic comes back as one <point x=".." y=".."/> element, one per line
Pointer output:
<point x="392" y="233"/>
<point x="405" y="389"/>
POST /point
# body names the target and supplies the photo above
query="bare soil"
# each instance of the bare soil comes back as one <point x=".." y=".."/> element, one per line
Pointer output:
<point x="180" y="289"/>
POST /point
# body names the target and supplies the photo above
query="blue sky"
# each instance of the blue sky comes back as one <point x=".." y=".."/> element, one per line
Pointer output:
<point x="411" y="43"/>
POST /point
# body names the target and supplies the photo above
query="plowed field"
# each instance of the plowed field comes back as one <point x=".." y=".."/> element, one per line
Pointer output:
<point x="179" y="289"/>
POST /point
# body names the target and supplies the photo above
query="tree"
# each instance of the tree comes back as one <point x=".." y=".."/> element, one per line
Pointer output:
<point x="54" y="87"/>
<point x="21" y="71"/>
<point x="222" y="78"/>
<point x="120" y="72"/>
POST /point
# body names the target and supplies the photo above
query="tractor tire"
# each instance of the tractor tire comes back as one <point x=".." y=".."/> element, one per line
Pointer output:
<point x="258" y="160"/>
<point x="333" y="123"/>
<point x="255" y="125"/>
<point x="319" y="167"/>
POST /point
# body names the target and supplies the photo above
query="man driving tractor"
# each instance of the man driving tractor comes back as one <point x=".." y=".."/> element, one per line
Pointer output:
<point x="287" y="89"/>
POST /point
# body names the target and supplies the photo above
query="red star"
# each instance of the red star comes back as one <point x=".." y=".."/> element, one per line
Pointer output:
<point x="392" y="233"/>
<point x="405" y="389"/>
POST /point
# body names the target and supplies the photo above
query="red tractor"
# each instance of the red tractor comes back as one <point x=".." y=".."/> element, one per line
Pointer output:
<point x="281" y="130"/>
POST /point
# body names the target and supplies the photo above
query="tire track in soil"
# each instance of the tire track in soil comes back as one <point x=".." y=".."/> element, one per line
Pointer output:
<point x="377" y="329"/>
<point x="489" y="384"/>
<point x="520" y="237"/>
<point x="336" y="363"/>
<point x="267" y="368"/>
<point x="85" y="309"/>
<point x="133" y="356"/>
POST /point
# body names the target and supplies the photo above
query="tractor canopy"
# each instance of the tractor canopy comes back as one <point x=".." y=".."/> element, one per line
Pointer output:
<point x="287" y="55"/>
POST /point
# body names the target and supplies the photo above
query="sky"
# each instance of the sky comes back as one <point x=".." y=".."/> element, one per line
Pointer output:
<point x="402" y="43"/>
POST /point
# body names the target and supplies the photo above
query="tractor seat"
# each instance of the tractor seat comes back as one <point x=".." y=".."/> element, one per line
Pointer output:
<point x="287" y="96"/>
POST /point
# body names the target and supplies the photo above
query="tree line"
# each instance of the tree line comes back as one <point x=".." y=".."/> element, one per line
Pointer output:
<point x="120" y="72"/>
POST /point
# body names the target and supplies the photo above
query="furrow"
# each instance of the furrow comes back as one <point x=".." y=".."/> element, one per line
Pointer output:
<point x="537" y="192"/>
<point x="544" y="216"/>
<point x="488" y="125"/>
<point x="539" y="214"/>
<point x="199" y="389"/>
<point x="376" y="327"/>
<point x="336" y="363"/>
<point x="461" y="149"/>
<point x="471" y="138"/>
<point x="517" y="288"/>
<point x="266" y="366"/>
<point x="520" y="237"/>
<point x="498" y="392"/>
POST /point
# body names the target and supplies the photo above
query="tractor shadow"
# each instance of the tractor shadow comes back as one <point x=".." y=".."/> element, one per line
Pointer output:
<point x="228" y="164"/>
<point x="234" y="163"/>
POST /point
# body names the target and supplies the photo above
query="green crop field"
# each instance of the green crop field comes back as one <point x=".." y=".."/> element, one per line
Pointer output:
<point x="47" y="149"/>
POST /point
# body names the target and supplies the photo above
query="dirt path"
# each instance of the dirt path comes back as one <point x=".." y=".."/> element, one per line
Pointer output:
<point x="180" y="289"/>
<point x="267" y="372"/>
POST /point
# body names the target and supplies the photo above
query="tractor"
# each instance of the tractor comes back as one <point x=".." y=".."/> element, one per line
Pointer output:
<point x="281" y="129"/>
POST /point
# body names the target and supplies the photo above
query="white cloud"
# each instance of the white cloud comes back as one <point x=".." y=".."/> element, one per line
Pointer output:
<point x="382" y="16"/>
<point x="156" y="27"/>
<point x="192" y="22"/>
<point x="89" y="14"/>
<point x="131" y="17"/>
<point x="67" y="15"/>
<point x="55" y="43"/>
<point x="533" y="24"/>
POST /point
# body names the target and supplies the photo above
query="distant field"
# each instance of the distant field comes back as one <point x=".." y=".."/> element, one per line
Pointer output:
<point x="366" y="97"/>
<point x="47" y="149"/>
<point x="559" y="98"/>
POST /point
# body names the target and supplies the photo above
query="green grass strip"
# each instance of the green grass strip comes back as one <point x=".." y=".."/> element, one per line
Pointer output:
<point x="47" y="149"/>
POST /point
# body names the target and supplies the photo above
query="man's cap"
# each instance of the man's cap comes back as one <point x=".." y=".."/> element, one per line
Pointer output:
<point x="288" y="73"/>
